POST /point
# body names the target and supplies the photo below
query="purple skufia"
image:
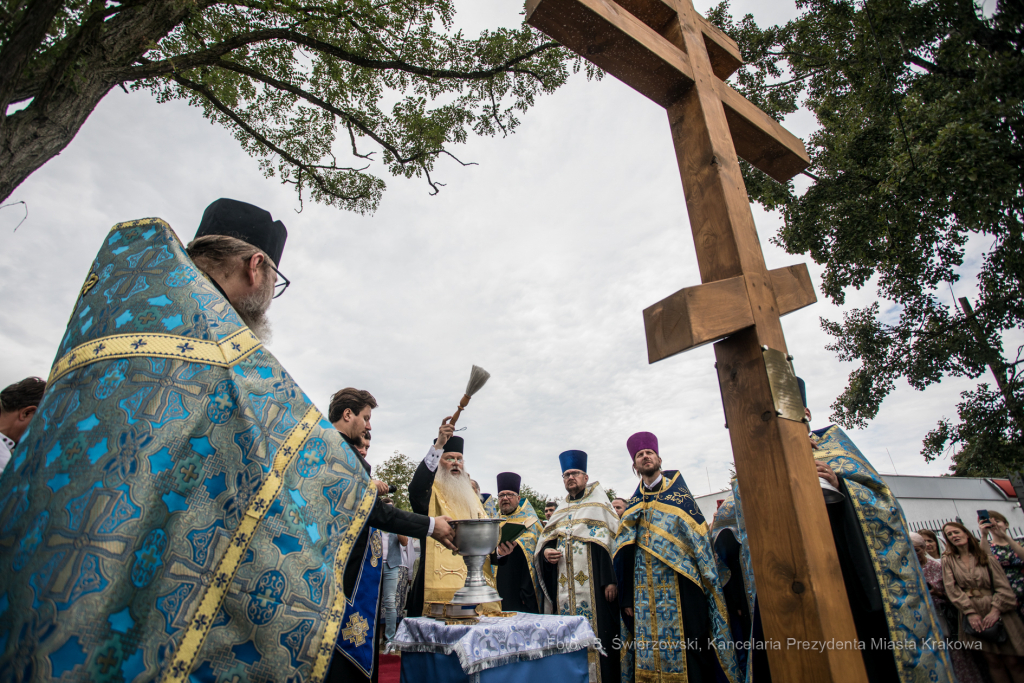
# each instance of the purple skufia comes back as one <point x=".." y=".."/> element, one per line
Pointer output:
<point x="641" y="441"/>
<point x="509" y="481"/>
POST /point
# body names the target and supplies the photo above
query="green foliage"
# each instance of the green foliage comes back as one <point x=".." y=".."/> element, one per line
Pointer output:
<point x="536" y="498"/>
<point x="397" y="470"/>
<point x="990" y="438"/>
<point x="611" y="494"/>
<point x="920" y="107"/>
<point x="323" y="94"/>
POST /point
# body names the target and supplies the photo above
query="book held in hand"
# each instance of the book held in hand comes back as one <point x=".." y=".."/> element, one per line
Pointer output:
<point x="510" y="531"/>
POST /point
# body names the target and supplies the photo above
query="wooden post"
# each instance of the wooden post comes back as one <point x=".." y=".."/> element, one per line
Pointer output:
<point x="668" y="52"/>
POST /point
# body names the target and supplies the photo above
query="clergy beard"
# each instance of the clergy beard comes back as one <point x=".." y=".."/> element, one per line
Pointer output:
<point x="575" y="491"/>
<point x="457" y="493"/>
<point x="252" y="309"/>
<point x="649" y="471"/>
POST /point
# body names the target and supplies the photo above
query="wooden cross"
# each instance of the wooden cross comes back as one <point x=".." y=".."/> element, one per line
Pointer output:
<point x="668" y="52"/>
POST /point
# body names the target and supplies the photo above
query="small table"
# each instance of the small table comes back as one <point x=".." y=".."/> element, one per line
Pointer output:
<point x="522" y="647"/>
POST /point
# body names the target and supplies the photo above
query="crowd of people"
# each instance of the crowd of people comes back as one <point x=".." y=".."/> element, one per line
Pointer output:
<point x="977" y="588"/>
<point x="173" y="505"/>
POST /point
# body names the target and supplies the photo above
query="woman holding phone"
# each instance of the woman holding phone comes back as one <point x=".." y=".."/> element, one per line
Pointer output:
<point x="1005" y="550"/>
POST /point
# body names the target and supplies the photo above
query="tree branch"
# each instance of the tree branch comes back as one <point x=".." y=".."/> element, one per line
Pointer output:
<point x="464" y="163"/>
<point x="433" y="185"/>
<point x="327" y="106"/>
<point x="91" y="28"/>
<point x="213" y="54"/>
<point x="355" y="150"/>
<point x="936" y="69"/>
<point x="302" y="167"/>
<point x="494" y="111"/>
<point x="809" y="74"/>
<point x="24" y="41"/>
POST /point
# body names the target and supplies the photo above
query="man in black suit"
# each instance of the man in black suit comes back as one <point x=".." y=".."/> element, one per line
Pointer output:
<point x="349" y="412"/>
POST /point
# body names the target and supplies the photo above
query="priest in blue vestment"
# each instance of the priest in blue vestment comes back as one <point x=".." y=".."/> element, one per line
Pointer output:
<point x="670" y="584"/>
<point x="178" y="509"/>
<point x="889" y="599"/>
<point x="515" y="576"/>
<point x="729" y="539"/>
<point x="891" y="605"/>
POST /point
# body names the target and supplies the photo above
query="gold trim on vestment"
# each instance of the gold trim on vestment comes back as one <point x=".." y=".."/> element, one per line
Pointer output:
<point x="699" y="583"/>
<point x="333" y="622"/>
<point x="644" y="676"/>
<point x="653" y="611"/>
<point x="587" y="505"/>
<point x="585" y="522"/>
<point x="224" y="353"/>
<point x="214" y="594"/>
<point x="701" y="528"/>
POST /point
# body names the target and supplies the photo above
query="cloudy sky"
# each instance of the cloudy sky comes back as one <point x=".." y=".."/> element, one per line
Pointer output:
<point x="535" y="264"/>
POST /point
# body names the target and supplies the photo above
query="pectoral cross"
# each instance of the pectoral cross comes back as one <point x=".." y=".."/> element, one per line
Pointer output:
<point x="668" y="52"/>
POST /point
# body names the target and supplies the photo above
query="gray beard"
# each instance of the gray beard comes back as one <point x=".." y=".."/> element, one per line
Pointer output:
<point x="458" y="494"/>
<point x="252" y="309"/>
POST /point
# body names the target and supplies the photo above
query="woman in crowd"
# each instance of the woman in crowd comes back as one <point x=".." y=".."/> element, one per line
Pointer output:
<point x="979" y="589"/>
<point x="1007" y="552"/>
<point x="964" y="666"/>
<point x="931" y="543"/>
<point x="932" y="570"/>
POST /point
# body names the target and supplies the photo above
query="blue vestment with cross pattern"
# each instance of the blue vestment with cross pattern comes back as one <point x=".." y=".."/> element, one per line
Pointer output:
<point x="178" y="509"/>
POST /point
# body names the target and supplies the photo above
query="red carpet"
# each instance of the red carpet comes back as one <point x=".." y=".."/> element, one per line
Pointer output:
<point x="390" y="669"/>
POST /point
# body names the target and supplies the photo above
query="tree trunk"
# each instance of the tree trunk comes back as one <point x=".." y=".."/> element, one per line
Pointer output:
<point x="995" y="364"/>
<point x="35" y="135"/>
<point x="97" y="56"/>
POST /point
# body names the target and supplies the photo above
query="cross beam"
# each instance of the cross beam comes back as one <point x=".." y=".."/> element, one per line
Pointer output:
<point x="665" y="50"/>
<point x="640" y="43"/>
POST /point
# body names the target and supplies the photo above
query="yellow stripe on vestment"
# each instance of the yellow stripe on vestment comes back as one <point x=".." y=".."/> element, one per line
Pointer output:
<point x="333" y="622"/>
<point x="223" y="353"/>
<point x="212" y="599"/>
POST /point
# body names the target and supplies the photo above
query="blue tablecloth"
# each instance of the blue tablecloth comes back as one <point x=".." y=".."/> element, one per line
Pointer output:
<point x="523" y="642"/>
<point x="424" y="667"/>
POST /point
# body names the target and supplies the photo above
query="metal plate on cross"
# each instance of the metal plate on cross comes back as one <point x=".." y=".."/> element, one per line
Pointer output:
<point x="785" y="388"/>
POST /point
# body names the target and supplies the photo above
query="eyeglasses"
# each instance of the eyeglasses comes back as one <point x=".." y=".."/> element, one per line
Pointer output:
<point x="506" y="495"/>
<point x="280" y="286"/>
<point x="576" y="473"/>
